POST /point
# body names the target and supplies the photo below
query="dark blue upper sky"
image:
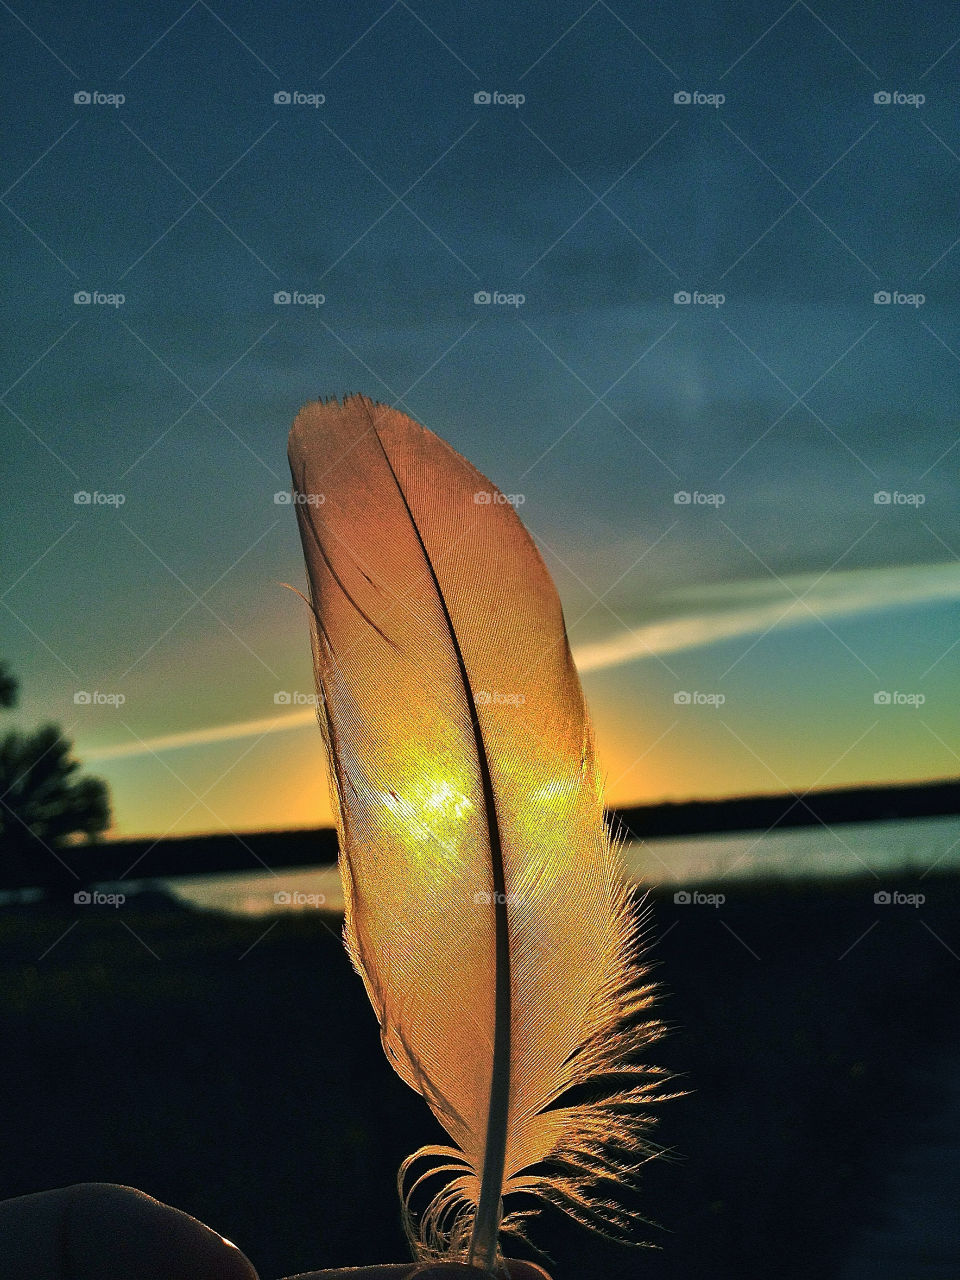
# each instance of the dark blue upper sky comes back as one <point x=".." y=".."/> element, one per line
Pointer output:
<point x="797" y="198"/>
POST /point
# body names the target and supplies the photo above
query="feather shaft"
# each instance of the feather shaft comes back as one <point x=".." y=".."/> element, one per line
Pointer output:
<point x="483" y="1243"/>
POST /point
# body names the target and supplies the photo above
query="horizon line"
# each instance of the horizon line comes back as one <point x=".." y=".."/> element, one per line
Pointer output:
<point x="608" y="809"/>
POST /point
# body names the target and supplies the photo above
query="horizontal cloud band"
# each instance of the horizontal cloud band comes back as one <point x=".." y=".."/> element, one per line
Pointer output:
<point x="759" y="605"/>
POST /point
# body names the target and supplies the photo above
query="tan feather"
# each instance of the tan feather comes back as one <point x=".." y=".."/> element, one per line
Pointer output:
<point x="485" y="908"/>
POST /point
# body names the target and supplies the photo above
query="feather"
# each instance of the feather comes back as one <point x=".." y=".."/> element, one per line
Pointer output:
<point x="484" y="903"/>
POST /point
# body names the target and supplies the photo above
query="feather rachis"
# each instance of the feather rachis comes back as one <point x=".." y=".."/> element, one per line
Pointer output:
<point x="482" y="1250"/>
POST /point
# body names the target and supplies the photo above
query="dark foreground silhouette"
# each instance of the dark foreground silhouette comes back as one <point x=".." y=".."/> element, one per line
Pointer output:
<point x="232" y="1067"/>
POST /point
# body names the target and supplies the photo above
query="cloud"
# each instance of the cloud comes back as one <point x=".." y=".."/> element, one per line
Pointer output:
<point x="203" y="737"/>
<point x="758" y="604"/>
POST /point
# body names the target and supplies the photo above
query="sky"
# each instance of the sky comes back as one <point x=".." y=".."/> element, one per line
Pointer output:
<point x="719" y="366"/>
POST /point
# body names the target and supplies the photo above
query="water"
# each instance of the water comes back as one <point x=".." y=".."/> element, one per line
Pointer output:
<point x="884" y="848"/>
<point x="854" y="848"/>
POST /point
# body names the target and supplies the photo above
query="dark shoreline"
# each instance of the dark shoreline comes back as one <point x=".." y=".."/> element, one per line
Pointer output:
<point x="763" y="813"/>
<point x="205" y="855"/>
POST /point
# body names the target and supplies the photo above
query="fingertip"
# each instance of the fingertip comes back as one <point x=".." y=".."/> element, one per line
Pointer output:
<point x="112" y="1230"/>
<point x="528" y="1271"/>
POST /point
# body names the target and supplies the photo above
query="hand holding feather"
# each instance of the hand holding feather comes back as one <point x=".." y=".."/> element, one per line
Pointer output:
<point x="484" y="904"/>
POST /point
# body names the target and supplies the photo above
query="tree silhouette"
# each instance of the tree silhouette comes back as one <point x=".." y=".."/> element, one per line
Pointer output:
<point x="8" y="686"/>
<point x="45" y="807"/>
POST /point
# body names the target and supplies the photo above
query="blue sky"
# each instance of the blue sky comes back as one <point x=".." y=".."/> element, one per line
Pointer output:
<point x="783" y="410"/>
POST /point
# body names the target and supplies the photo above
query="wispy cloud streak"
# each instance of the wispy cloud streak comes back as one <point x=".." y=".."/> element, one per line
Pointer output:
<point x="752" y="606"/>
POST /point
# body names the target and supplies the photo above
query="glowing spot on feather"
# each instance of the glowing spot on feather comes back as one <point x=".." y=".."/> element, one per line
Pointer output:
<point x="433" y="811"/>
<point x="557" y="790"/>
<point x="444" y="798"/>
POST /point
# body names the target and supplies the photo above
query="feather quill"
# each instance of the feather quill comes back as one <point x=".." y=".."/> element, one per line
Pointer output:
<point x="485" y="909"/>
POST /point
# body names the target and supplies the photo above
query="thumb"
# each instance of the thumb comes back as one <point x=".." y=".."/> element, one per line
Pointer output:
<point x="100" y="1231"/>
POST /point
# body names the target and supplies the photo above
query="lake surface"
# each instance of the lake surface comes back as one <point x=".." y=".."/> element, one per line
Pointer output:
<point x="881" y="848"/>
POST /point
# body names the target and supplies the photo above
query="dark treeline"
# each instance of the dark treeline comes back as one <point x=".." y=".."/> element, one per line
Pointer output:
<point x="75" y="866"/>
<point x="66" y="870"/>
<point x="760" y="813"/>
